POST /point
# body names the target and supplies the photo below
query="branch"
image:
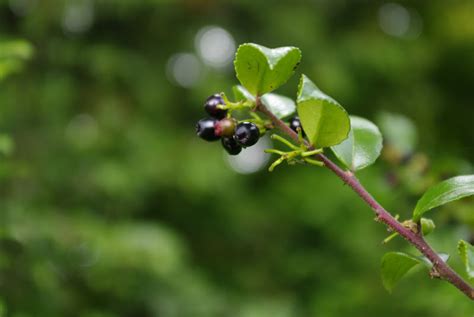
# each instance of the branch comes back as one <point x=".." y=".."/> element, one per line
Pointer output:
<point x="440" y="268"/>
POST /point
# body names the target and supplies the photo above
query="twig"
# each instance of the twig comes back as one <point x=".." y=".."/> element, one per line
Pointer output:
<point x="416" y="239"/>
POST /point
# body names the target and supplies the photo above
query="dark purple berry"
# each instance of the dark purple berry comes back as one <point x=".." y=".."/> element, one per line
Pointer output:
<point x="211" y="106"/>
<point x="295" y="123"/>
<point x="205" y="129"/>
<point x="231" y="146"/>
<point x="225" y="127"/>
<point x="246" y="134"/>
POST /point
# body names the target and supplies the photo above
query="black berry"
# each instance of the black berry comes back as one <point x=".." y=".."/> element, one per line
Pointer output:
<point x="225" y="127"/>
<point x="231" y="146"/>
<point x="211" y="106"/>
<point x="246" y="134"/>
<point x="295" y="123"/>
<point x="205" y="129"/>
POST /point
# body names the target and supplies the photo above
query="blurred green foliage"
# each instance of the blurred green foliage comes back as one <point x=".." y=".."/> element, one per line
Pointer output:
<point x="110" y="206"/>
<point x="12" y="56"/>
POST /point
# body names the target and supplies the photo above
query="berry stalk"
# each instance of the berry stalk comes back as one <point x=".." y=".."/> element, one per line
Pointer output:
<point x="440" y="268"/>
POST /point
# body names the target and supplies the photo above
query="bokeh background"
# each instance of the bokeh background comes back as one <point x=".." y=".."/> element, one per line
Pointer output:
<point x="110" y="206"/>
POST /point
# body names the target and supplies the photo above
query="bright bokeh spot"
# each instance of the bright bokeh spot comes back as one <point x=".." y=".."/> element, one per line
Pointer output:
<point x="184" y="69"/>
<point x="215" y="46"/>
<point x="396" y="20"/>
<point x="251" y="159"/>
<point x="78" y="16"/>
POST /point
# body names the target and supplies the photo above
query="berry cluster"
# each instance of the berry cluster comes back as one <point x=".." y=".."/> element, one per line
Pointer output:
<point x="234" y="135"/>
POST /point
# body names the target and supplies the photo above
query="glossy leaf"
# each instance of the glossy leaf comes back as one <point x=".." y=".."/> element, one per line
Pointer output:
<point x="394" y="266"/>
<point x="324" y="120"/>
<point x="449" y="190"/>
<point x="362" y="147"/>
<point x="466" y="251"/>
<point x="240" y="93"/>
<point x="279" y="105"/>
<point x="424" y="260"/>
<point x="261" y="70"/>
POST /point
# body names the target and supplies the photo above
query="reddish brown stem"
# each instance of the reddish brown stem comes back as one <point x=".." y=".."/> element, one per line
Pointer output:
<point x="440" y="268"/>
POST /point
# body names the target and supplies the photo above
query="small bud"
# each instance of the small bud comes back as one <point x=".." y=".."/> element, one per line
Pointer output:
<point x="427" y="226"/>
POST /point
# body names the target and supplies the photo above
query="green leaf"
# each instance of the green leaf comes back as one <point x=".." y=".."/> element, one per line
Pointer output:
<point x="261" y="69"/>
<point x="324" y="120"/>
<point x="394" y="266"/>
<point x="362" y="147"/>
<point x="449" y="190"/>
<point x="466" y="251"/>
<point x="424" y="260"/>
<point x="279" y="105"/>
<point x="240" y="93"/>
